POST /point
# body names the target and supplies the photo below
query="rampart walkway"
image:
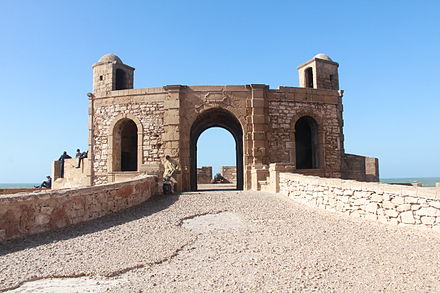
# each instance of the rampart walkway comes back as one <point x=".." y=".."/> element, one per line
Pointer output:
<point x="246" y="242"/>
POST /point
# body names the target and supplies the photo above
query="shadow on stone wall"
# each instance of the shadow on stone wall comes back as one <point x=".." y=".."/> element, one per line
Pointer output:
<point x="145" y="209"/>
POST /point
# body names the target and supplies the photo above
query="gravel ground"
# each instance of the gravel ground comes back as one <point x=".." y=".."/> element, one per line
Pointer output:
<point x="229" y="241"/>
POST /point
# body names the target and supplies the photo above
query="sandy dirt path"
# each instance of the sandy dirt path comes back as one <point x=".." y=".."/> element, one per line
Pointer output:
<point x="226" y="241"/>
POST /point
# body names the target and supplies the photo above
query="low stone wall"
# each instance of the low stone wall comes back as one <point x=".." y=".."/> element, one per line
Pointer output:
<point x="360" y="168"/>
<point x="204" y="175"/>
<point x="17" y="190"/>
<point x="395" y="204"/>
<point x="229" y="173"/>
<point x="30" y="213"/>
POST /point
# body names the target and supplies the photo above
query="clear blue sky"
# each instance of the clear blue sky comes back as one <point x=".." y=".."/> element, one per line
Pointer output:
<point x="388" y="53"/>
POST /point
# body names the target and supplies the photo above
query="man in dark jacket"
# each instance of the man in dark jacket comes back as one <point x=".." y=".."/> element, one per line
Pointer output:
<point x="61" y="159"/>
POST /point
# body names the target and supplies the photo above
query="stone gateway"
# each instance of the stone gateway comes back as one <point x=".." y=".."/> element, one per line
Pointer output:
<point x="132" y="130"/>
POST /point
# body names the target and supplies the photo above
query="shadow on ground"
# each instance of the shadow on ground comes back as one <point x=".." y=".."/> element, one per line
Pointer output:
<point x="145" y="209"/>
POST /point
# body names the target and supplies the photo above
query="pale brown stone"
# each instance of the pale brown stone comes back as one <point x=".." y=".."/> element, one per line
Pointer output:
<point x="407" y="217"/>
<point x="428" y="220"/>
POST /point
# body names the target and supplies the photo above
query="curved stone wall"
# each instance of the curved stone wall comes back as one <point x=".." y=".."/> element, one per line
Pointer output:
<point x="29" y="213"/>
<point x="394" y="204"/>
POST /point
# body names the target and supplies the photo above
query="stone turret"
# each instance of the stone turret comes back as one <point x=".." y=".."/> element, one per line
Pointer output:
<point x="321" y="72"/>
<point x="110" y="74"/>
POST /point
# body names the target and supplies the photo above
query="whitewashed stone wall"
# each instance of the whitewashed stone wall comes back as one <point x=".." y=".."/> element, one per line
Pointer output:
<point x="394" y="204"/>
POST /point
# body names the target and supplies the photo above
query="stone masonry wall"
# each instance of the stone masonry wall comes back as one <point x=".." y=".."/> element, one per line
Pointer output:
<point x="229" y="173"/>
<point x="360" y="168"/>
<point x="204" y="175"/>
<point x="394" y="204"/>
<point x="31" y="213"/>
<point x="283" y="113"/>
<point x="151" y="115"/>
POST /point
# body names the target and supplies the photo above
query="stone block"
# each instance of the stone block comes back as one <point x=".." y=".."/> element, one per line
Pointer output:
<point x="371" y="208"/>
<point x="348" y="192"/>
<point x="404" y="207"/>
<point x="388" y="205"/>
<point x="386" y="196"/>
<point x="391" y="213"/>
<point x="42" y="219"/>
<point x="407" y="218"/>
<point x="435" y="204"/>
<point x="376" y="197"/>
<point x="397" y="200"/>
<point x="410" y="199"/>
<point x="429" y="211"/>
<point x="428" y="220"/>
<point x="415" y="207"/>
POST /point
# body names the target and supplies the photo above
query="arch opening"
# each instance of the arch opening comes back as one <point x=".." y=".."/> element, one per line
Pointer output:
<point x="125" y="144"/>
<point x="216" y="148"/>
<point x="309" y="77"/>
<point x="306" y="143"/>
<point x="216" y="118"/>
<point x="121" y="80"/>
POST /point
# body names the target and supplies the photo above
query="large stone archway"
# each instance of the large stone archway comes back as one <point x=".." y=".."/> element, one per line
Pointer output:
<point x="216" y="117"/>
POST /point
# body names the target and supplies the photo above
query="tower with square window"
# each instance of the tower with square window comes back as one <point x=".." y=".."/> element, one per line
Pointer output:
<point x="110" y="74"/>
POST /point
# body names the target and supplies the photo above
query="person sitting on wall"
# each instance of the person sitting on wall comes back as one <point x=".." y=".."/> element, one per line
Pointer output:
<point x="171" y="169"/>
<point x="61" y="159"/>
<point x="81" y="156"/>
<point x="45" y="184"/>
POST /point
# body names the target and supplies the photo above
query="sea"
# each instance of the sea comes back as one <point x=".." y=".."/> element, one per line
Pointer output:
<point x="426" y="182"/>
<point x="17" y="185"/>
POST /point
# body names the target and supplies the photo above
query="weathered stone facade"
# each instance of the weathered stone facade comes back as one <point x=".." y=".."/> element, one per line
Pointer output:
<point x="229" y="173"/>
<point x="131" y="130"/>
<point x="204" y="175"/>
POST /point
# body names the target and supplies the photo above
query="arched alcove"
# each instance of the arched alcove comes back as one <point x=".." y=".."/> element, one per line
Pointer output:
<point x="306" y="143"/>
<point x="125" y="146"/>
<point x="220" y="118"/>
<point x="120" y="80"/>
<point x="309" y="77"/>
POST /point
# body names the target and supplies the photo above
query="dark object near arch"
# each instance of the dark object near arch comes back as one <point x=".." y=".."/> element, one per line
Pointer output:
<point x="121" y="79"/>
<point x="125" y="146"/>
<point x="309" y="77"/>
<point x="306" y="143"/>
<point x="220" y="118"/>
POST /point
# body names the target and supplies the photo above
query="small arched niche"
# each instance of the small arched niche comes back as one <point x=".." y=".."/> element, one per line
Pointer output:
<point x="125" y="146"/>
<point x="309" y="77"/>
<point x="120" y="79"/>
<point x="306" y="143"/>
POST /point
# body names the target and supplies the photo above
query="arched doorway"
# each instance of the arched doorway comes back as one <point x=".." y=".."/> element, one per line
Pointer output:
<point x="220" y="118"/>
<point x="125" y="144"/>
<point x="121" y="79"/>
<point x="306" y="143"/>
